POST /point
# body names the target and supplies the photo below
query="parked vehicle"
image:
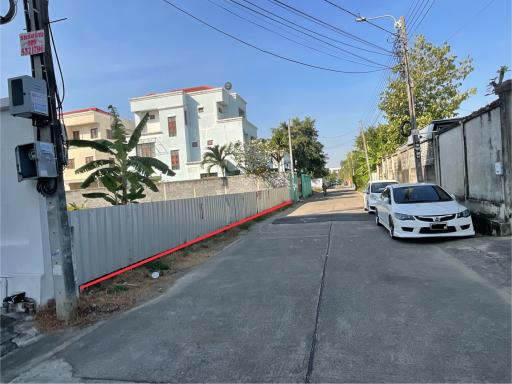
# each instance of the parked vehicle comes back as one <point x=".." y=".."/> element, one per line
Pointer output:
<point x="422" y="210"/>
<point x="372" y="193"/>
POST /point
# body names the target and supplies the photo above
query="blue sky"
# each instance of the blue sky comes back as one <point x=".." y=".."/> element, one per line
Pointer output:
<point x="112" y="50"/>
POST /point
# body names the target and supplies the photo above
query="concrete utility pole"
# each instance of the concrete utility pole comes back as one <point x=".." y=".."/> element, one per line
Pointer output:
<point x="50" y="130"/>
<point x="402" y="42"/>
<point x="402" y="37"/>
<point x="365" y="151"/>
<point x="290" y="146"/>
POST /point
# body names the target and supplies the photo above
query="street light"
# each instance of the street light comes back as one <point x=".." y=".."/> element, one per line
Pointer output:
<point x="402" y="38"/>
<point x="361" y="19"/>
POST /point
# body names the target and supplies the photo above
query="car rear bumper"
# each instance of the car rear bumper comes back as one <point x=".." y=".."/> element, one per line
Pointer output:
<point x="460" y="227"/>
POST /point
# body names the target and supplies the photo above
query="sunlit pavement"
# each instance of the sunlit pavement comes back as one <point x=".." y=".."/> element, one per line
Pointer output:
<point x="317" y="294"/>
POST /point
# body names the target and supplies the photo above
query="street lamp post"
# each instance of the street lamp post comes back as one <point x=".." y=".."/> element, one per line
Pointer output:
<point x="402" y="40"/>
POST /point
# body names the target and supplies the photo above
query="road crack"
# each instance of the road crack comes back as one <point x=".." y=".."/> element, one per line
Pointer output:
<point x="311" y="360"/>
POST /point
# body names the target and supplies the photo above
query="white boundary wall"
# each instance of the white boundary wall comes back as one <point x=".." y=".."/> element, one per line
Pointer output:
<point x="107" y="239"/>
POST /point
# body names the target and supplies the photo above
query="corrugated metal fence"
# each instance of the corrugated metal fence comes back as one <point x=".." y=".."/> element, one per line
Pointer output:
<point x="107" y="239"/>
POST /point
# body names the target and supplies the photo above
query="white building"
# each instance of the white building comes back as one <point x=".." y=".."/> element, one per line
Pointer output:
<point x="183" y="123"/>
<point x="25" y="263"/>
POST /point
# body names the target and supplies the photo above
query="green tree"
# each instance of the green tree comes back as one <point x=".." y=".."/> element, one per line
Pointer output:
<point x="437" y="77"/>
<point x="278" y="145"/>
<point x="217" y="156"/>
<point x="308" y="152"/>
<point x="254" y="158"/>
<point x="124" y="176"/>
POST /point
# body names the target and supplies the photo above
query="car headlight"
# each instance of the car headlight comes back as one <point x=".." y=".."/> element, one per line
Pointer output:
<point x="464" y="213"/>
<point x="401" y="216"/>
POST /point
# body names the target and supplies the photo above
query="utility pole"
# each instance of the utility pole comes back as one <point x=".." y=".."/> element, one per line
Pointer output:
<point x="49" y="129"/>
<point x="290" y="146"/>
<point x="402" y="43"/>
<point x="365" y="151"/>
<point x="292" y="165"/>
<point x="402" y="37"/>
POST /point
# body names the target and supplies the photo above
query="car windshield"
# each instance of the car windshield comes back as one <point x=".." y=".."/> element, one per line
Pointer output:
<point x="420" y="194"/>
<point x="379" y="187"/>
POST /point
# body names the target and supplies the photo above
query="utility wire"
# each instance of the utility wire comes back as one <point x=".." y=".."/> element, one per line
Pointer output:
<point x="264" y="50"/>
<point x="300" y="30"/>
<point x="423" y="17"/>
<point x="414" y="19"/>
<point x="357" y="15"/>
<point x="302" y="26"/>
<point x="327" y="25"/>
<point x="468" y="19"/>
<point x="288" y="38"/>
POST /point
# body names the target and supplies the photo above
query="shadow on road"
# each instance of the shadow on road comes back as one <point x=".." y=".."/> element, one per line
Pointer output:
<point x="322" y="218"/>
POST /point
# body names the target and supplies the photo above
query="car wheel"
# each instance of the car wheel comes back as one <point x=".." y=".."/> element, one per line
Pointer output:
<point x="391" y="228"/>
<point x="377" y="221"/>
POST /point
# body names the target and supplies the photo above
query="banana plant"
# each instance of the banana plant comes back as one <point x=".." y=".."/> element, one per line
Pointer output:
<point x="125" y="177"/>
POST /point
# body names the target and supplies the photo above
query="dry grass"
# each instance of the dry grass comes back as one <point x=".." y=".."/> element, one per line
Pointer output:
<point x="135" y="286"/>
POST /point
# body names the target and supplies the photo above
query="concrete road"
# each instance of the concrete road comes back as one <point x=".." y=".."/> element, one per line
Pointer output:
<point x="320" y="294"/>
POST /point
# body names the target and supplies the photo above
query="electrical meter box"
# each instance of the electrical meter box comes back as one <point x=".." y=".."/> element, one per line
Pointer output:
<point x="36" y="160"/>
<point x="28" y="97"/>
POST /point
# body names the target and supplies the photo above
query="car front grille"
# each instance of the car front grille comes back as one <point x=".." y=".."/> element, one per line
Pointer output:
<point x="433" y="219"/>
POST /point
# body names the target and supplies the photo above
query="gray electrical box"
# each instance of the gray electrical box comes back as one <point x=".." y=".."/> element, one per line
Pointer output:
<point x="28" y="97"/>
<point x="35" y="161"/>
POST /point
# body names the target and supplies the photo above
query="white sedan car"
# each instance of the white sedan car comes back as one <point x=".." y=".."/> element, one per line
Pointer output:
<point x="422" y="210"/>
<point x="372" y="193"/>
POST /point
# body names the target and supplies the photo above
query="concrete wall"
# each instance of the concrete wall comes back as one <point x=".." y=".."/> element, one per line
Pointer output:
<point x="180" y="190"/>
<point x="400" y="165"/>
<point x="467" y="157"/>
<point x="24" y="245"/>
<point x="452" y="152"/>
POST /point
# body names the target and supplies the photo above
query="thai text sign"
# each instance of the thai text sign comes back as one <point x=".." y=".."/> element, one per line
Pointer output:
<point x="32" y="43"/>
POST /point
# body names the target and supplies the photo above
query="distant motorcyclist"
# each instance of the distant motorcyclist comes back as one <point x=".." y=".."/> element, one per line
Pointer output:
<point x="324" y="188"/>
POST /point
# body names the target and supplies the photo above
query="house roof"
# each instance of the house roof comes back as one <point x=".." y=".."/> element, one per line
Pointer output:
<point x="188" y="90"/>
<point x="92" y="109"/>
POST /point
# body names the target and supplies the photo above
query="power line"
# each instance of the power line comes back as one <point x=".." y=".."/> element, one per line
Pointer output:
<point x="414" y="12"/>
<point x="264" y="50"/>
<point x="469" y="18"/>
<point x="357" y="15"/>
<point x="423" y="17"/>
<point x="327" y="25"/>
<point x="302" y="26"/>
<point x="286" y="37"/>
<point x="300" y="30"/>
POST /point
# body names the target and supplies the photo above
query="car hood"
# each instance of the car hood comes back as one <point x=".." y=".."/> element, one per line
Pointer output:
<point x="429" y="209"/>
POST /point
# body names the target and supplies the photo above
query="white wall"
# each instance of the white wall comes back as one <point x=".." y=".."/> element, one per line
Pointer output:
<point x="24" y="246"/>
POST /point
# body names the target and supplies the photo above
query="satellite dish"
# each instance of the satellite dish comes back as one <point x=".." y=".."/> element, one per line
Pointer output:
<point x="228" y="86"/>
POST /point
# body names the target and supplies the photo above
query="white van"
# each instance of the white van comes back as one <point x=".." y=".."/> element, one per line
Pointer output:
<point x="373" y="191"/>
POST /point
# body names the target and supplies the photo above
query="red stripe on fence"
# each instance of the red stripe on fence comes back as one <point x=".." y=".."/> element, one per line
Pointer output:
<point x="184" y="245"/>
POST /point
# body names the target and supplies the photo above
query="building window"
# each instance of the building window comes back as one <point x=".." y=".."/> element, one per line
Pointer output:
<point x="94" y="133"/>
<point x="171" y="125"/>
<point x="71" y="163"/>
<point x="195" y="144"/>
<point x="76" y="135"/>
<point x="209" y="142"/>
<point x="146" y="150"/>
<point x="200" y="109"/>
<point x="88" y="159"/>
<point x="241" y="112"/>
<point x="109" y="134"/>
<point x="175" y="159"/>
<point x="151" y="117"/>
<point x="185" y="117"/>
